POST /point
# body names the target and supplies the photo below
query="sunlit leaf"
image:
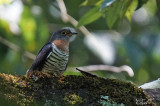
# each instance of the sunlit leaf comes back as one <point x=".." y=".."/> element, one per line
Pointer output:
<point x="151" y="8"/>
<point x="131" y="10"/>
<point x="117" y="11"/>
<point x="106" y="3"/>
<point x="90" y="16"/>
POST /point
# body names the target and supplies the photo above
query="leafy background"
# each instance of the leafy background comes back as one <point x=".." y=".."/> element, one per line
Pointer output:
<point x="127" y="32"/>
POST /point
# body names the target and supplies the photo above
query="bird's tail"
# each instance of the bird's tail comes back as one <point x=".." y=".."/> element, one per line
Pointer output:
<point x="86" y="73"/>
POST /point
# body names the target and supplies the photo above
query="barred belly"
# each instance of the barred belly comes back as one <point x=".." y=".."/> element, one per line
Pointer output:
<point x="56" y="61"/>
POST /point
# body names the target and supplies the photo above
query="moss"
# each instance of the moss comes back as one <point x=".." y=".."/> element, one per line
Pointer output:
<point x="9" y="89"/>
<point x="73" y="99"/>
<point x="71" y="90"/>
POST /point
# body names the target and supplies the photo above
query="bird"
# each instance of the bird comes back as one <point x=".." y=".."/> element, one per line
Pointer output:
<point x="53" y="56"/>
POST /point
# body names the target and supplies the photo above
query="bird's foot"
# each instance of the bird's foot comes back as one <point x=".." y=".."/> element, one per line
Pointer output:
<point x="36" y="75"/>
<point x="60" y="79"/>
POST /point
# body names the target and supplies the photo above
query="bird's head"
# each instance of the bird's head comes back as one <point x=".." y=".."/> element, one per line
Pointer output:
<point x="63" y="34"/>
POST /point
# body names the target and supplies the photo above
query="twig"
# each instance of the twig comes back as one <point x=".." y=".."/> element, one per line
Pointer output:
<point x="108" y="68"/>
<point x="16" y="48"/>
<point x="63" y="10"/>
<point x="67" y="18"/>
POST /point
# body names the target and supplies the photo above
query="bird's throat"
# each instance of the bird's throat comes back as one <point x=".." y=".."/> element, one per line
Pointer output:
<point x="62" y="45"/>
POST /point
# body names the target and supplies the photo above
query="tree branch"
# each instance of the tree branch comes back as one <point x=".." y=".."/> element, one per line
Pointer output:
<point x="71" y="91"/>
<point x="67" y="18"/>
<point x="108" y="68"/>
<point x="16" y="48"/>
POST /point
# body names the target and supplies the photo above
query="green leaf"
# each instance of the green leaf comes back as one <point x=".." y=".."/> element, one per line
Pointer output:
<point x="131" y="9"/>
<point x="91" y="2"/>
<point x="117" y="11"/>
<point x="140" y="3"/>
<point x="90" y="16"/>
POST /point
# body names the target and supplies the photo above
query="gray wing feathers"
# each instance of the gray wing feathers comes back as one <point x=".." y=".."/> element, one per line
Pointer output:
<point x="41" y="57"/>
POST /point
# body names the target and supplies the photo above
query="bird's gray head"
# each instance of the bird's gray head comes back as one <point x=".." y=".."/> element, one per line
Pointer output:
<point x="63" y="34"/>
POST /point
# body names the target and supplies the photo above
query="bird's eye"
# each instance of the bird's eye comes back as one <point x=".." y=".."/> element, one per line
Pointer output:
<point x="63" y="33"/>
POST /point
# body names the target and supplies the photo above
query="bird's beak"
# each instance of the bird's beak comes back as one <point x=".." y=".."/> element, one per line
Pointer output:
<point x="74" y="33"/>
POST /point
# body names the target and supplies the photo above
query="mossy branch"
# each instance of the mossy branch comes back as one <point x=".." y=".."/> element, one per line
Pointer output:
<point x="72" y="90"/>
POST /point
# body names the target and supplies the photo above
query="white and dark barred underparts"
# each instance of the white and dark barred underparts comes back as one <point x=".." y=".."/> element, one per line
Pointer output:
<point x="56" y="61"/>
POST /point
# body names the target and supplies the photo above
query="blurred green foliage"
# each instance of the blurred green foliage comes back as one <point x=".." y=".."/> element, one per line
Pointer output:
<point x="137" y="22"/>
<point x="115" y="10"/>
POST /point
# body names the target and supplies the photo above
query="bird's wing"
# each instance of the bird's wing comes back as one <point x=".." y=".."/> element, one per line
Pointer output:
<point x="41" y="57"/>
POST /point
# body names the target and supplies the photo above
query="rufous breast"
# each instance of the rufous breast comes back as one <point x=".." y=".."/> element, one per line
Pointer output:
<point x="62" y="45"/>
